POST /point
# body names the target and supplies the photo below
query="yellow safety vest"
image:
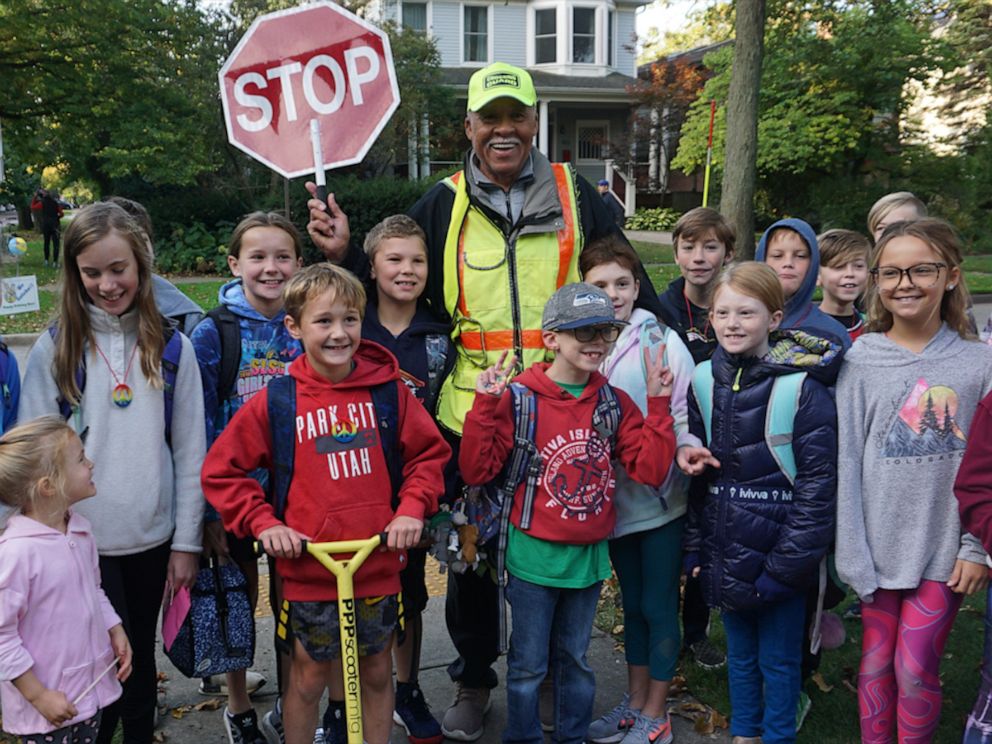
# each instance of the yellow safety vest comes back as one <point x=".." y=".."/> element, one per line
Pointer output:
<point x="495" y="289"/>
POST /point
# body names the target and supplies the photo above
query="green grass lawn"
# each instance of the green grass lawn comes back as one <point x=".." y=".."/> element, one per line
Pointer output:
<point x="833" y="718"/>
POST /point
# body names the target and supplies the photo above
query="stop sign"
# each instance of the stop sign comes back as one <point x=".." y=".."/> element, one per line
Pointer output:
<point x="319" y="62"/>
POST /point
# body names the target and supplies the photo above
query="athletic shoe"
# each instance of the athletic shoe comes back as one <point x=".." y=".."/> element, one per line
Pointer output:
<point x="464" y="719"/>
<point x="272" y="725"/>
<point x="217" y="685"/>
<point x="242" y="728"/>
<point x="318" y="736"/>
<point x="335" y="730"/>
<point x="649" y="731"/>
<point x="546" y="704"/>
<point x="802" y="709"/>
<point x="413" y="714"/>
<point x="706" y="655"/>
<point x="853" y="612"/>
<point x="613" y="726"/>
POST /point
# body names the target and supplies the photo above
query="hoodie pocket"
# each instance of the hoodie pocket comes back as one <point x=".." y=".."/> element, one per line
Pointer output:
<point x="354" y="521"/>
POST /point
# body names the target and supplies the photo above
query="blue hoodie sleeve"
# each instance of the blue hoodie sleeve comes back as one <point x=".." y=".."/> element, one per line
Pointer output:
<point x="206" y="345"/>
<point x="11" y="393"/>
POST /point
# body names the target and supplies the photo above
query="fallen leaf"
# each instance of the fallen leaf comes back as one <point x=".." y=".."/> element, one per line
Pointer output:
<point x="850" y="687"/>
<point x="720" y="720"/>
<point x="822" y="683"/>
<point x="159" y="737"/>
<point x="691" y="707"/>
<point x="162" y="677"/>
<point x="617" y="629"/>
<point x="704" y="725"/>
<point x="212" y="704"/>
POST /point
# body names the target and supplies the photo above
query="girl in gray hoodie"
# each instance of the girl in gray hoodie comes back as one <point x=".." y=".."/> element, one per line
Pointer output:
<point x="905" y="399"/>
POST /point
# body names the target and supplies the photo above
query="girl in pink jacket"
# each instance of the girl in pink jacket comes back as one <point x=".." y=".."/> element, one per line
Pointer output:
<point x="60" y="640"/>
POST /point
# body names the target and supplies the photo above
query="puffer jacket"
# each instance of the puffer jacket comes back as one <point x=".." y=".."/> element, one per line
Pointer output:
<point x="758" y="538"/>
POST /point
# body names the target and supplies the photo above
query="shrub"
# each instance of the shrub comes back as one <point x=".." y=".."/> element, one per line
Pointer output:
<point x="195" y="249"/>
<point x="656" y="219"/>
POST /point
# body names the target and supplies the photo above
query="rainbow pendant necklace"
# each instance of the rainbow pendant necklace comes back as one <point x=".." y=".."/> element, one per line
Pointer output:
<point x="122" y="394"/>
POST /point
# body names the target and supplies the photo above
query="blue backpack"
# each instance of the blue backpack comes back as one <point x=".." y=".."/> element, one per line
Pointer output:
<point x="6" y="397"/>
<point x="170" y="370"/>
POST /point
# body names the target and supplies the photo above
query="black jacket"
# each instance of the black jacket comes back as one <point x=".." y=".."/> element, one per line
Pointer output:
<point x="691" y="322"/>
<point x="755" y="536"/>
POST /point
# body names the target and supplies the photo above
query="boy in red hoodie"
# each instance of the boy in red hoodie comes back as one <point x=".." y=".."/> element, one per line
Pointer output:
<point x="340" y="490"/>
<point x="556" y="554"/>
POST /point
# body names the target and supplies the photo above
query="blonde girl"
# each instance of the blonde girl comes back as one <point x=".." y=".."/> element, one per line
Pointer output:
<point x="103" y="363"/>
<point x="59" y="636"/>
<point x="905" y="400"/>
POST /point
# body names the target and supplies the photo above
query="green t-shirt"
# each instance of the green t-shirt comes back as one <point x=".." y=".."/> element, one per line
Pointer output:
<point x="559" y="565"/>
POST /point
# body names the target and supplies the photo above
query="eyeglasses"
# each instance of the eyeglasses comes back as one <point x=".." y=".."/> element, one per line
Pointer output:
<point x="921" y="276"/>
<point x="585" y="334"/>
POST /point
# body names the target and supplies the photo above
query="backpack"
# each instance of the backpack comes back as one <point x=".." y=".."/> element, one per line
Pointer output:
<point x="171" y="355"/>
<point x="783" y="405"/>
<point x="229" y="331"/>
<point x="6" y="397"/>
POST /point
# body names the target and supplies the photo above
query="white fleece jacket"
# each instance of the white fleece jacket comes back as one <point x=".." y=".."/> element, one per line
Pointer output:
<point x="146" y="493"/>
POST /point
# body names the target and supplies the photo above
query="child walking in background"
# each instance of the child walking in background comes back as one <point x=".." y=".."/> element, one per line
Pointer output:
<point x="766" y="520"/>
<point x="905" y="399"/>
<point x="646" y="543"/>
<point x="340" y="489"/>
<point x="241" y="346"/>
<point x="59" y="636"/>
<point x="844" y="256"/>
<point x="115" y="367"/>
<point x="973" y="488"/>
<point x="556" y="545"/>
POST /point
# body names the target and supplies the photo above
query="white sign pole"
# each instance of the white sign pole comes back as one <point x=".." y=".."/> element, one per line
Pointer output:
<point x="320" y="177"/>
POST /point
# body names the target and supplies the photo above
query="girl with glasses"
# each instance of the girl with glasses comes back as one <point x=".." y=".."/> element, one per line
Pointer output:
<point x="905" y="400"/>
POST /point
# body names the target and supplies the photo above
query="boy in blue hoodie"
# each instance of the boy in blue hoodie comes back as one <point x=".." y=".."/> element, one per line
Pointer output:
<point x="397" y="318"/>
<point x="241" y="346"/>
<point x="789" y="247"/>
<point x="10" y="388"/>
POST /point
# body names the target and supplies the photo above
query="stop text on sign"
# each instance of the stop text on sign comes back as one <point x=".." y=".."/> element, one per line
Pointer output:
<point x="322" y="80"/>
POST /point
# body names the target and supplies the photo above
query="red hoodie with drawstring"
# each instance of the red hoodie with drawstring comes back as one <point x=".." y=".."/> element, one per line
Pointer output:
<point x="343" y="491"/>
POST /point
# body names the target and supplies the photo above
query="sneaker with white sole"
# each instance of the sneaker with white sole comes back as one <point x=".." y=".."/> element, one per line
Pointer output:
<point x="706" y="655"/>
<point x="242" y="728"/>
<point x="414" y="715"/>
<point x="217" y="684"/>
<point x="649" y="731"/>
<point x="271" y="725"/>
<point x="464" y="719"/>
<point x="613" y="725"/>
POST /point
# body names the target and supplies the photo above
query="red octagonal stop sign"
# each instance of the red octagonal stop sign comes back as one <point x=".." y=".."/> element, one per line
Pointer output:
<point x="319" y="62"/>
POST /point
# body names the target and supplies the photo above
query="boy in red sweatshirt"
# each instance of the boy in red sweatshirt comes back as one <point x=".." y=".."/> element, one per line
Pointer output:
<point x="556" y="555"/>
<point x="340" y="490"/>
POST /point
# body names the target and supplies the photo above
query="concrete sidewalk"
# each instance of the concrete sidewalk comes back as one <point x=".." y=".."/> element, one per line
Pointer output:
<point x="181" y="725"/>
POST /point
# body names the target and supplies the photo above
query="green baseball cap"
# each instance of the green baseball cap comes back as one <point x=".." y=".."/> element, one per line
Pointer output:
<point x="500" y="80"/>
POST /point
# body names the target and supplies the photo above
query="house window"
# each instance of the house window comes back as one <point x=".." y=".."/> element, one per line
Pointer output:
<point x="476" y="33"/>
<point x="592" y="138"/>
<point x="545" y="37"/>
<point x="415" y="16"/>
<point x="584" y="35"/>
<point x="610" y="15"/>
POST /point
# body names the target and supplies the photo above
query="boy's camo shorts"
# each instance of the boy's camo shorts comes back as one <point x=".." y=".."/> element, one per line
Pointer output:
<point x="316" y="626"/>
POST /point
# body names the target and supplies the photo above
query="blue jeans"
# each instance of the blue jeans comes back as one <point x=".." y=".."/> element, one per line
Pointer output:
<point x="978" y="730"/>
<point x="556" y="621"/>
<point x="764" y="655"/>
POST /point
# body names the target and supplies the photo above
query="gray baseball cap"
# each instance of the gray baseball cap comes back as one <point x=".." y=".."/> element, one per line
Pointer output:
<point x="577" y="305"/>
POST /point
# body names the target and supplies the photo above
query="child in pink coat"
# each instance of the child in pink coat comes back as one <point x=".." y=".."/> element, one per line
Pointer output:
<point x="60" y="640"/>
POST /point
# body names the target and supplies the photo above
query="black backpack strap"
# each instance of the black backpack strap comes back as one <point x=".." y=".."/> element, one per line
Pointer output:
<point x="606" y="416"/>
<point x="386" y="400"/>
<point x="171" y="356"/>
<point x="281" y="400"/>
<point x="436" y="346"/>
<point x="230" y="350"/>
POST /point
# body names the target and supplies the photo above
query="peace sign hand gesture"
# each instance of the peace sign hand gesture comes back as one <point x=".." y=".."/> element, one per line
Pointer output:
<point x="659" y="377"/>
<point x="494" y="380"/>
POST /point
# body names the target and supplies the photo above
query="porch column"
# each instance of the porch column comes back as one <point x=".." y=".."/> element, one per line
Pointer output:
<point x="542" y="136"/>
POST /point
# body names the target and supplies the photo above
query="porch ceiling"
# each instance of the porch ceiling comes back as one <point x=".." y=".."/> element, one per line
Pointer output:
<point x="553" y="87"/>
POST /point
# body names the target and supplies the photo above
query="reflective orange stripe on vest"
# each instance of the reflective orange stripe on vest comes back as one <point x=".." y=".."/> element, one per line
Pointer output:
<point x="499" y="340"/>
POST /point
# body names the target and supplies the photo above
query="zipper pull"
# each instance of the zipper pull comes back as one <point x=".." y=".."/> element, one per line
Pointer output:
<point x="737" y="380"/>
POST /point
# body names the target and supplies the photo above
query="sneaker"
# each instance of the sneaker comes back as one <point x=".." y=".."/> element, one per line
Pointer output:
<point x="414" y="715"/>
<point x="706" y="655"/>
<point x="217" y="684"/>
<point x="802" y="709"/>
<point x="649" y="731"/>
<point x="272" y="725"/>
<point x="463" y="721"/>
<point x="613" y="726"/>
<point x="318" y="736"/>
<point x="335" y="730"/>
<point x="546" y="704"/>
<point x="242" y="728"/>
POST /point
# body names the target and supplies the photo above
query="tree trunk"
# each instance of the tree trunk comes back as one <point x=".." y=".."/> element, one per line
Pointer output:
<point x="737" y="195"/>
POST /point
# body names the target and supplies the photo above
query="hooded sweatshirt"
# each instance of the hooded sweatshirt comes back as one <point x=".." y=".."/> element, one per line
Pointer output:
<point x="640" y="507"/>
<point x="904" y="420"/>
<point x="172" y="303"/>
<point x="147" y="492"/>
<point x="54" y="620"/>
<point x="690" y="321"/>
<point x="575" y="503"/>
<point x="266" y="351"/>
<point x="340" y="488"/>
<point x="973" y="486"/>
<point x="800" y="312"/>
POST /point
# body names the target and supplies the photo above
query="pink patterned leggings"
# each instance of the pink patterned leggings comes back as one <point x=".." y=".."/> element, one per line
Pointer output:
<point x="898" y="683"/>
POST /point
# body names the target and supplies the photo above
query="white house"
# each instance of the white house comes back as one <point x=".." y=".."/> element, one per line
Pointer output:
<point x="580" y="53"/>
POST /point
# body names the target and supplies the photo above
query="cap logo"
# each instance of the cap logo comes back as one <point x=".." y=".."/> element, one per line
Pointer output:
<point x="501" y="78"/>
<point x="587" y="298"/>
